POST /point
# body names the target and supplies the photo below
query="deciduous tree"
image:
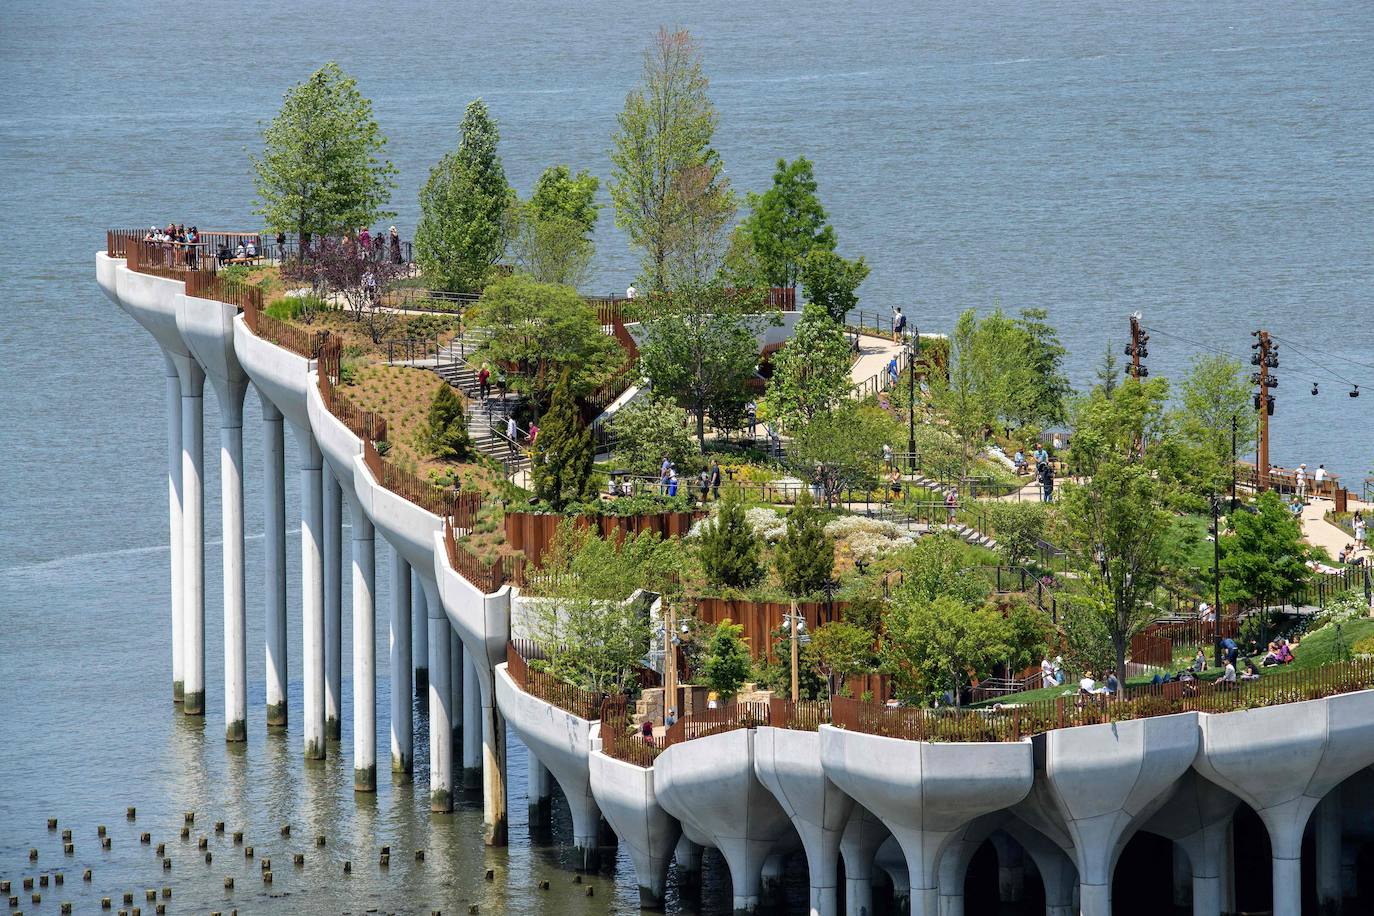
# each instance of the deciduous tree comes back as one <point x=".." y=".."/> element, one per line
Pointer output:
<point x="932" y="647"/>
<point x="553" y="239"/>
<point x="1263" y="557"/>
<point x="650" y="429"/>
<point x="811" y="373"/>
<point x="786" y="223"/>
<point x="832" y="282"/>
<point x="322" y="169"/>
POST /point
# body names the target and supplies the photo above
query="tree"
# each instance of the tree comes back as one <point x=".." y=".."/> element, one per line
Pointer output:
<point x="1215" y="392"/>
<point x="1040" y="390"/>
<point x="594" y="643"/>
<point x="580" y="563"/>
<point x="339" y="269"/>
<point x="649" y="429"/>
<point x="1263" y="557"/>
<point x="699" y="350"/>
<point x="841" y="650"/>
<point x="563" y="455"/>
<point x="805" y="557"/>
<point x="1107" y="374"/>
<point x="1020" y="529"/>
<point x="702" y="207"/>
<point x="448" y="425"/>
<point x="543" y="329"/>
<point x="832" y="282"/>
<point x="1029" y="635"/>
<point x="665" y="131"/>
<point x="933" y="646"/>
<point x="811" y="373"/>
<point x="552" y="241"/>
<point x="846" y="443"/>
<point x="729" y="550"/>
<point x="1121" y="425"/>
<point x="465" y="208"/>
<point x="939" y="564"/>
<point x="786" y="223"/>
<point x="728" y="663"/>
<point x="1116" y="531"/>
<point x="321" y="171"/>
<point x="962" y="397"/>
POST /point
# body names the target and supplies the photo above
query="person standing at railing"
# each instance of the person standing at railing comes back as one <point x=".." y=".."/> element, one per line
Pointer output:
<point x="715" y="478"/>
<point x="1300" y="482"/>
<point x="898" y="324"/>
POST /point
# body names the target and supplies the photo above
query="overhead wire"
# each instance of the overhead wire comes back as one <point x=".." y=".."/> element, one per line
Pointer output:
<point x="1193" y="342"/>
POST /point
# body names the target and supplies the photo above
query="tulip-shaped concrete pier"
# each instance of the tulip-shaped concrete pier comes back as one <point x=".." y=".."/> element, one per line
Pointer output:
<point x="625" y="794"/>
<point x="399" y="639"/>
<point x="710" y="786"/>
<point x="1197" y="818"/>
<point x="274" y="561"/>
<point x="863" y="834"/>
<point x="1282" y="761"/>
<point x="925" y="793"/>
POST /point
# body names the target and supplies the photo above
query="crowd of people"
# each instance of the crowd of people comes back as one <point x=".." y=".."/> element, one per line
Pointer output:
<point x="182" y="244"/>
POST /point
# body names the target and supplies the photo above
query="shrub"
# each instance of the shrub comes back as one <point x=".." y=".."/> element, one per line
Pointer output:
<point x="447" y="430"/>
<point x="647" y="430"/>
<point x="563" y="454"/>
<point x="729" y="550"/>
<point x="806" y="555"/>
<point x="728" y="662"/>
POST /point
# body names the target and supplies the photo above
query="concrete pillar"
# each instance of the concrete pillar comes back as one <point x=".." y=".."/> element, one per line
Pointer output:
<point x="312" y="593"/>
<point x="457" y="709"/>
<point x="193" y="538"/>
<point x="230" y="397"/>
<point x="687" y="855"/>
<point x="1327" y="826"/>
<point x="333" y="601"/>
<point x="440" y="709"/>
<point x="274" y="560"/>
<point x="174" y="533"/>
<point x="538" y="791"/>
<point x="1058" y="876"/>
<point x="770" y="876"/>
<point x="402" y="725"/>
<point x="364" y="651"/>
<point x="493" y="773"/>
<point x="420" y="616"/>
<point x="1010" y="868"/>
<point x="1350" y="871"/>
<point x="863" y="834"/>
<point x="1227" y="884"/>
<point x="473" y="729"/>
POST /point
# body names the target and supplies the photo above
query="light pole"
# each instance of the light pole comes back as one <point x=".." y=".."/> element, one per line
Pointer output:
<point x="797" y="625"/>
<point x="913" y="351"/>
<point x="1235" y="422"/>
<point x="1216" y="574"/>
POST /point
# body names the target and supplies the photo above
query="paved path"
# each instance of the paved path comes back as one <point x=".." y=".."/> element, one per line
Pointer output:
<point x="874" y="355"/>
<point x="1316" y="530"/>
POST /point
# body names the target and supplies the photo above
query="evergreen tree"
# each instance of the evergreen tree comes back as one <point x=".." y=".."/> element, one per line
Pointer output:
<point x="728" y="662"/>
<point x="786" y="222"/>
<point x="448" y="425"/>
<point x="465" y="208"/>
<point x="562" y="464"/>
<point x="321" y="170"/>
<point x="729" y="549"/>
<point x="806" y="555"/>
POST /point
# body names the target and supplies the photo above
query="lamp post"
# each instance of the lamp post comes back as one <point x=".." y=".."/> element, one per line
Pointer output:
<point x="1216" y="574"/>
<point x="797" y="626"/>
<point x="1234" y="425"/>
<point x="913" y="351"/>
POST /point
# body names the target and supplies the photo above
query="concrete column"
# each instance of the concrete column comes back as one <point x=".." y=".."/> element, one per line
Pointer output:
<point x="1327" y="827"/>
<point x="274" y="560"/>
<point x="473" y="729"/>
<point x="420" y="630"/>
<point x="230" y="397"/>
<point x="333" y="601"/>
<point x="193" y="538"/>
<point x="402" y="726"/>
<point x="312" y="593"/>
<point x="1058" y="876"/>
<point x="687" y="855"/>
<point x="539" y="791"/>
<point x="863" y="834"/>
<point x="770" y="877"/>
<point x="493" y="773"/>
<point x="440" y="708"/>
<point x="1183" y="878"/>
<point x="1227" y="889"/>
<point x="1010" y="868"/>
<point x="364" y="652"/>
<point x="174" y="534"/>
<point x="457" y="708"/>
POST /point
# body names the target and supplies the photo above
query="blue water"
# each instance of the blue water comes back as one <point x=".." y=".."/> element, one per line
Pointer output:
<point x="1206" y="164"/>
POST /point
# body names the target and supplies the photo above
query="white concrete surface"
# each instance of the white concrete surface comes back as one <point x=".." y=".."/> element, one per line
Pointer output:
<point x="364" y="652"/>
<point x="332" y="495"/>
<point x="173" y="393"/>
<point x="193" y="537"/>
<point x="957" y="855"/>
<point x="863" y="834"/>
<point x="710" y="786"/>
<point x="312" y="592"/>
<point x="399" y="641"/>
<point x="419" y="632"/>
<point x="274" y="560"/>
<point x="925" y="792"/>
<point x="625" y="794"/>
<point x="440" y="706"/>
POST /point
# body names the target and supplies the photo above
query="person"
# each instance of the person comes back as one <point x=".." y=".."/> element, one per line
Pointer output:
<point x="484" y="381"/>
<point x="712" y="700"/>
<point x="951" y="506"/>
<point x="457" y="481"/>
<point x="1205" y="612"/>
<point x="892" y="370"/>
<point x="627" y="486"/>
<point x="1113" y="685"/>
<point x="1200" y="661"/>
<point x="894" y="483"/>
<point x="671" y="719"/>
<point x="1359" y="525"/>
<point x="751" y="410"/>
<point x="251" y="250"/>
<point x="512" y="431"/>
<point x="1285" y="652"/>
<point x="240" y="252"/>
<point x="1344" y="551"/>
<point x="817" y="477"/>
<point x="395" y="238"/>
<point x="1086" y="684"/>
<point x="1046" y="671"/>
<point x="704" y="484"/>
<point x="281" y="245"/>
<point x="1046" y="483"/>
<point x="1318" y="479"/>
<point x="1271" y="656"/>
<point x="1059" y="671"/>
<point x="646" y="731"/>
<point x="672" y="482"/>
<point x="1300" y="482"/>
<point x="887" y="455"/>
<point x="365" y="240"/>
<point x="612" y="485"/>
<point x="898" y="325"/>
<point x="715" y="478"/>
<point x="664" y="470"/>
<point x="1296" y="507"/>
<point x="534" y="433"/>
<point x="1041" y="456"/>
<point x="1019" y="460"/>
<point x="224" y="254"/>
<point x="1228" y="676"/>
<point x="1251" y="673"/>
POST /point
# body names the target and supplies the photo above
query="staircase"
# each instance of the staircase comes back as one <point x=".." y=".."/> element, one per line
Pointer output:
<point x="486" y="418"/>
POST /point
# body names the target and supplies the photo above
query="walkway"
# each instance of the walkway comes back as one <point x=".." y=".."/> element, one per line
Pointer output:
<point x="1321" y="533"/>
<point x="874" y="355"/>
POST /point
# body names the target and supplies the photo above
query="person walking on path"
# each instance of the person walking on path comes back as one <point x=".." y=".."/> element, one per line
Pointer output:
<point x="1359" y="526"/>
<point x="751" y="410"/>
<point x="715" y="478"/>
<point x="1301" y="483"/>
<point x="951" y="506"/>
<point x="892" y="371"/>
<point x="484" y="381"/>
<point x="512" y="430"/>
<point x="1046" y="483"/>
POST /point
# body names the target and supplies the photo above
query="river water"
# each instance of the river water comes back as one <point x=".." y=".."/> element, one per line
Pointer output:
<point x="1205" y="163"/>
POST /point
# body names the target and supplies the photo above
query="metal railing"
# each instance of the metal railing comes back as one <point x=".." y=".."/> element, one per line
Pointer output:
<point x="582" y="703"/>
<point x="407" y="485"/>
<point x="365" y="424"/>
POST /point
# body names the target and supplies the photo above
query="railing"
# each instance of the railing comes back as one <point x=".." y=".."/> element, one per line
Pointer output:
<point x="486" y="577"/>
<point x="406" y="485"/>
<point x="582" y="703"/>
<point x="727" y="718"/>
<point x="365" y="424"/>
<point x="281" y="333"/>
<point x="804" y="716"/>
<point x="620" y="740"/>
<point x="880" y="381"/>
<point x="1152" y="651"/>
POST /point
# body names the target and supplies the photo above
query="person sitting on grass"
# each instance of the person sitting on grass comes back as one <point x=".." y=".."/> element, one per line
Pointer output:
<point x="1113" y="686"/>
<point x="1271" y="656"/>
<point x="1285" y="652"/>
<point x="1228" y="677"/>
<point x="1251" y="673"/>
<point x="1200" y="661"/>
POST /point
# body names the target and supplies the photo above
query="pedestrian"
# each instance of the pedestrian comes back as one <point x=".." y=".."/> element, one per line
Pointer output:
<point x="484" y="381"/>
<point x="751" y="410"/>
<point x="631" y="292"/>
<point x="664" y="472"/>
<point x="951" y="506"/>
<point x="672" y="482"/>
<point x="816" y="478"/>
<point x="534" y="432"/>
<point x="512" y="430"/>
<point x="1359" y="525"/>
<point x="892" y="371"/>
<point x="1300" y="482"/>
<point x="704" y="484"/>
<point x="898" y="324"/>
<point x="395" y="238"/>
<point x="887" y="455"/>
<point x="1113" y="685"/>
<point x="715" y="478"/>
<point x="1046" y="483"/>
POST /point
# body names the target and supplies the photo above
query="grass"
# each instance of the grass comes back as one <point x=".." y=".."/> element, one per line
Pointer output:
<point x="1189" y="537"/>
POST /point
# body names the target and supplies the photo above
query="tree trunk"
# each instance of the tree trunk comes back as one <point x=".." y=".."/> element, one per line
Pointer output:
<point x="701" y="426"/>
<point x="1120" y="646"/>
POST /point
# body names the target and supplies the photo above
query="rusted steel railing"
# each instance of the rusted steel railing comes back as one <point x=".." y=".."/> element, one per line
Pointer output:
<point x="287" y="336"/>
<point x="407" y="485"/>
<point x="365" y="424"/>
<point x="582" y="703"/>
<point x="806" y="716"/>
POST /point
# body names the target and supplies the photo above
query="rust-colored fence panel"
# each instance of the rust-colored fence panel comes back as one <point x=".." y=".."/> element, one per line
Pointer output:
<point x="582" y="703"/>
<point x="533" y="532"/>
<point x="407" y="485"/>
<point x="761" y="618"/>
<point x="1155" y="651"/>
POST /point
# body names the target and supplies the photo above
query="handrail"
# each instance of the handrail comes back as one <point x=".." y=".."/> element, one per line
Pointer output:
<point x="582" y="703"/>
<point x="406" y="485"/>
<point x="486" y="577"/>
<point x="365" y="424"/>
